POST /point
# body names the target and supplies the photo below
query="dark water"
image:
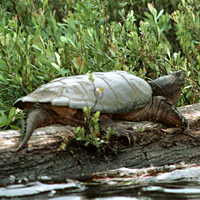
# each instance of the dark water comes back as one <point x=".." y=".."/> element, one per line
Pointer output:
<point x="168" y="182"/>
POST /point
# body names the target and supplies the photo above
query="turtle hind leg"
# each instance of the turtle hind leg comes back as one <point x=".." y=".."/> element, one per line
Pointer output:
<point x="35" y="117"/>
<point x="163" y="111"/>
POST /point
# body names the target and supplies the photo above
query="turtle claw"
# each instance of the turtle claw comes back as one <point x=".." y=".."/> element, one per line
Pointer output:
<point x="128" y="134"/>
<point x="163" y="111"/>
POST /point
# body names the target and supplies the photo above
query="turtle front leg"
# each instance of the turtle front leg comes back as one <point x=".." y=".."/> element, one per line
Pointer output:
<point x="35" y="117"/>
<point x="161" y="110"/>
<point x="120" y="130"/>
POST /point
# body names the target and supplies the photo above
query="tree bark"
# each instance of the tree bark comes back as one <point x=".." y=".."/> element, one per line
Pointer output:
<point x="155" y="145"/>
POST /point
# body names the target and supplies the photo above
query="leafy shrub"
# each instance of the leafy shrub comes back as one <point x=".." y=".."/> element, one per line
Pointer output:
<point x="187" y="19"/>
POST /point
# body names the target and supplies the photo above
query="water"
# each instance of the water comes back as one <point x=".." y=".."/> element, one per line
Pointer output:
<point x="167" y="182"/>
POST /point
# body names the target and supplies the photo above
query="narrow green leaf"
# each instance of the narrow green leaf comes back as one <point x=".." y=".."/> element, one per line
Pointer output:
<point x="3" y="79"/>
<point x="58" y="58"/>
<point x="72" y="43"/>
<point x="57" y="68"/>
<point x="3" y="120"/>
<point x="45" y="3"/>
<point x="64" y="39"/>
<point x="152" y="10"/>
<point x="160" y="13"/>
<point x="11" y="115"/>
<point x="14" y="127"/>
<point x="43" y="59"/>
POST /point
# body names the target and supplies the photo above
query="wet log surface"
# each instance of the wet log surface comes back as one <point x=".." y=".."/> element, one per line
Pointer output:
<point x="156" y="145"/>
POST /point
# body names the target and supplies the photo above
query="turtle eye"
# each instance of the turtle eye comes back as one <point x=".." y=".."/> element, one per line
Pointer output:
<point x="178" y="74"/>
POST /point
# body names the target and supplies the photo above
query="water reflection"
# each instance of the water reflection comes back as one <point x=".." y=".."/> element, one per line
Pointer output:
<point x="167" y="182"/>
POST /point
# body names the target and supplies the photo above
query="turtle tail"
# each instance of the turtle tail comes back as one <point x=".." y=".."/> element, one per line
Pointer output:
<point x="35" y="117"/>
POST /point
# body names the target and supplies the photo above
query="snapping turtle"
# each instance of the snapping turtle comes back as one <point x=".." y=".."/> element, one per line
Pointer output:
<point x="125" y="97"/>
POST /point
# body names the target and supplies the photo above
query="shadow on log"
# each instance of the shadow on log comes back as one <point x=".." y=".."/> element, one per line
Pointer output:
<point x="156" y="145"/>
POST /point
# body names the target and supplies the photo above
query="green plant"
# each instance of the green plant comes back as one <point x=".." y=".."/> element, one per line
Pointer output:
<point x="6" y="120"/>
<point x="109" y="134"/>
<point x="92" y="133"/>
<point x="187" y="19"/>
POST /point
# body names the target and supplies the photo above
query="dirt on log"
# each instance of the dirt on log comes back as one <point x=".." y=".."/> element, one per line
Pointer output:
<point x="155" y="145"/>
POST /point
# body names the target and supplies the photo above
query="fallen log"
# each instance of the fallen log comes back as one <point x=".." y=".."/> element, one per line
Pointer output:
<point x="155" y="145"/>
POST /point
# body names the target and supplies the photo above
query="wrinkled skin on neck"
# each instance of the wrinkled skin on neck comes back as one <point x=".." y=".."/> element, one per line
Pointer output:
<point x="169" y="86"/>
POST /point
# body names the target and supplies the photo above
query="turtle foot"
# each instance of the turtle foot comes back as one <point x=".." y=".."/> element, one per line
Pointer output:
<point x="163" y="111"/>
<point x="120" y="131"/>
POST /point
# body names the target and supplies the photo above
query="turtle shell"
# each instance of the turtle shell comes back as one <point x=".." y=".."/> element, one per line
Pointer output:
<point x="123" y="92"/>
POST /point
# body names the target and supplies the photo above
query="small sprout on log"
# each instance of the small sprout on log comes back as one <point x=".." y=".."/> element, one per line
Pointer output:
<point x="142" y="130"/>
<point x="90" y="134"/>
<point x="110" y="132"/>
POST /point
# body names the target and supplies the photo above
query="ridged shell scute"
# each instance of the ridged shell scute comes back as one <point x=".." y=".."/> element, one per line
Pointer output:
<point x="123" y="92"/>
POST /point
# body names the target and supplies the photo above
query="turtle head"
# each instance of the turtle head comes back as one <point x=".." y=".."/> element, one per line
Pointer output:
<point x="169" y="86"/>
